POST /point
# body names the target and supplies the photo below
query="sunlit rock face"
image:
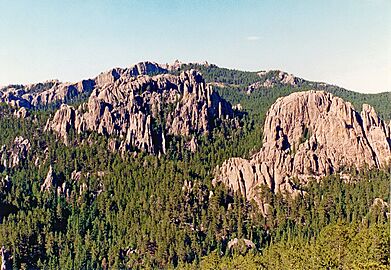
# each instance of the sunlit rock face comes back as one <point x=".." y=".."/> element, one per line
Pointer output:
<point x="53" y="91"/>
<point x="141" y="110"/>
<point x="309" y="134"/>
<point x="16" y="153"/>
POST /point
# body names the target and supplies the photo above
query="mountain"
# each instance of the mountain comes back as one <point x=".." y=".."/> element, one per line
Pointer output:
<point x="141" y="111"/>
<point x="244" y="87"/>
<point x="52" y="93"/>
<point x="308" y="135"/>
<point x="193" y="166"/>
<point x="43" y="94"/>
<point x="274" y="78"/>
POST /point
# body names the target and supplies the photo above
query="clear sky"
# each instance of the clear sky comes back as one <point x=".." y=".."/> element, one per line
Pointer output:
<point x="344" y="42"/>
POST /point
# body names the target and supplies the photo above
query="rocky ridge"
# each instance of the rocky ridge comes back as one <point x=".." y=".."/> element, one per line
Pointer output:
<point x="309" y="135"/>
<point x="52" y="92"/>
<point x="272" y="78"/>
<point x="138" y="112"/>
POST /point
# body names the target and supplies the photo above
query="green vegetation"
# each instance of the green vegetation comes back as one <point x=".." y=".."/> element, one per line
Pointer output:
<point x="236" y="83"/>
<point x="338" y="246"/>
<point x="139" y="211"/>
<point x="213" y="73"/>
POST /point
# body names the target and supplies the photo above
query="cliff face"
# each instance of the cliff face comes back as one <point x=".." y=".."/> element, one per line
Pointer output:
<point x="309" y="134"/>
<point x="140" y="111"/>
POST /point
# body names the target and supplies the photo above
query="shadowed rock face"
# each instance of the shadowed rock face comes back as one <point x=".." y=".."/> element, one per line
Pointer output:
<point x="309" y="134"/>
<point x="134" y="110"/>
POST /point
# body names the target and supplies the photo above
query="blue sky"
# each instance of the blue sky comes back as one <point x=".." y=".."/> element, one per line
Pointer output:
<point x="345" y="42"/>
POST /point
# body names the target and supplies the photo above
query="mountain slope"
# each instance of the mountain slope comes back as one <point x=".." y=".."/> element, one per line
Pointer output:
<point x="234" y="85"/>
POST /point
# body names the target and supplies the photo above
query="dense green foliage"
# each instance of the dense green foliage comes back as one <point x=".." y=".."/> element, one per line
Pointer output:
<point x="213" y="73"/>
<point x="338" y="246"/>
<point x="236" y="82"/>
<point x="137" y="211"/>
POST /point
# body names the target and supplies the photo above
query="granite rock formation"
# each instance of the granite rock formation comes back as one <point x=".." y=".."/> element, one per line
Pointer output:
<point x="53" y="92"/>
<point x="16" y="153"/>
<point x="236" y="242"/>
<point x="49" y="180"/>
<point x="6" y="258"/>
<point x="21" y="113"/>
<point x="140" y="111"/>
<point x="309" y="135"/>
<point x="269" y="79"/>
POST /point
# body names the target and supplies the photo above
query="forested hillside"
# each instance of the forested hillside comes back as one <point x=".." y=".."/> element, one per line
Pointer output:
<point x="233" y="85"/>
<point x="84" y="206"/>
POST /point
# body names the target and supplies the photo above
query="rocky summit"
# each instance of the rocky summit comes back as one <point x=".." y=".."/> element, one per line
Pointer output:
<point x="272" y="78"/>
<point x="138" y="111"/>
<point x="309" y="135"/>
<point x="43" y="94"/>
